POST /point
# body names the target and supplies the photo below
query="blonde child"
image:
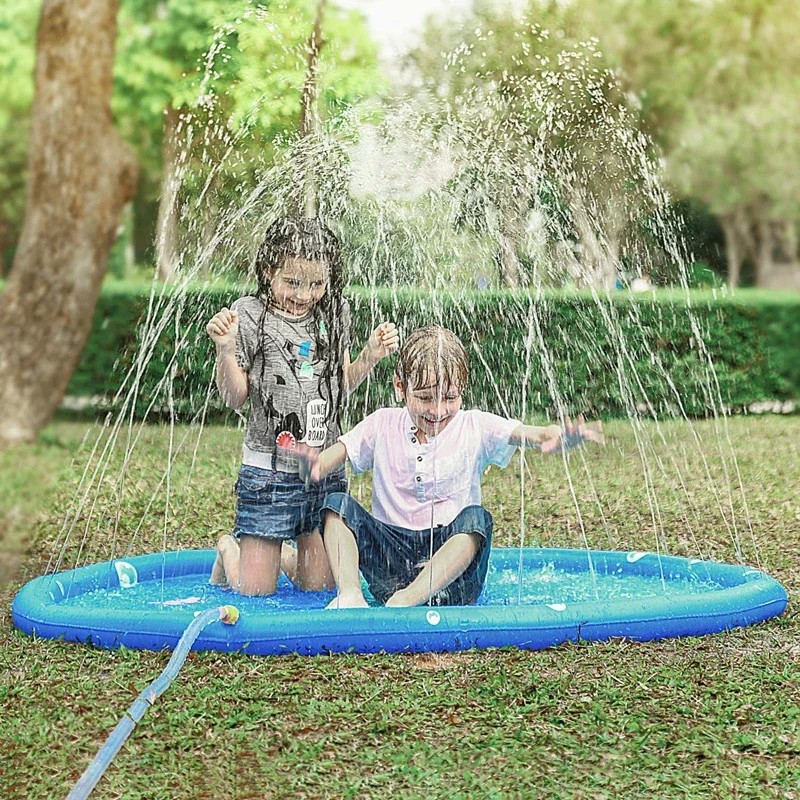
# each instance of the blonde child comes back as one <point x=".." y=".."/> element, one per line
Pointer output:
<point x="428" y="536"/>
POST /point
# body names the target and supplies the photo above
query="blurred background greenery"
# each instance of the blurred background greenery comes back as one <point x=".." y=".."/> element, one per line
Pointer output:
<point x="714" y="85"/>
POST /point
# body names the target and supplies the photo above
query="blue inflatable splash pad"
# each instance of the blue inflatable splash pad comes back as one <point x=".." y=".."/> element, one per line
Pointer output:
<point x="534" y="598"/>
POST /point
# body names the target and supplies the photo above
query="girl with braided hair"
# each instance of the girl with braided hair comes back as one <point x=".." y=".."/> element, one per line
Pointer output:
<point x="286" y="350"/>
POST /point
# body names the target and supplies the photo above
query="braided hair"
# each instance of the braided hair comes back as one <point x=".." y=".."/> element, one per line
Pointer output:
<point x="310" y="239"/>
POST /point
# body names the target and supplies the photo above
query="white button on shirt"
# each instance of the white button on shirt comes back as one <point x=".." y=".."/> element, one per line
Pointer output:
<point x="413" y="483"/>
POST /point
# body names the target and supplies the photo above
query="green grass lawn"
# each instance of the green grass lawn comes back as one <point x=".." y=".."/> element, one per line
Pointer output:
<point x="712" y="717"/>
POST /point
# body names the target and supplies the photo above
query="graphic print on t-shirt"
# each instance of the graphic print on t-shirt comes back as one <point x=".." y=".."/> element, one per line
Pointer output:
<point x="285" y="360"/>
<point x="315" y="423"/>
<point x="289" y="426"/>
<point x="297" y="372"/>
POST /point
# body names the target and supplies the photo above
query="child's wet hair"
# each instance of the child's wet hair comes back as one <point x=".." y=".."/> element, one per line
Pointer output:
<point x="298" y="237"/>
<point x="432" y="356"/>
<point x="310" y="239"/>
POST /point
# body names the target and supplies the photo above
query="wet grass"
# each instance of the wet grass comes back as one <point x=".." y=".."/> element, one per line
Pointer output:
<point x="710" y="717"/>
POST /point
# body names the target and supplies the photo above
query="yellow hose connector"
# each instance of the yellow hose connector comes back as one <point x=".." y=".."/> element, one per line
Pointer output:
<point x="229" y="614"/>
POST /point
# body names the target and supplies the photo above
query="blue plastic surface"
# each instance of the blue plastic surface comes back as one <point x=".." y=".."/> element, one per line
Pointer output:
<point x="98" y="604"/>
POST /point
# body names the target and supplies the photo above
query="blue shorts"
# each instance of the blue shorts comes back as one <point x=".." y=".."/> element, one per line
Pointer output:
<point x="277" y="505"/>
<point x="391" y="557"/>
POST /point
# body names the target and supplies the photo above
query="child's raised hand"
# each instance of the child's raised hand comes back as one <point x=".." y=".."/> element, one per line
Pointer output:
<point x="223" y="327"/>
<point x="308" y="460"/>
<point x="592" y="432"/>
<point x="384" y="340"/>
<point x="574" y="435"/>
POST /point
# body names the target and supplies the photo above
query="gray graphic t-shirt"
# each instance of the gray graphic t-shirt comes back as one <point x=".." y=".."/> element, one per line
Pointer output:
<point x="289" y="395"/>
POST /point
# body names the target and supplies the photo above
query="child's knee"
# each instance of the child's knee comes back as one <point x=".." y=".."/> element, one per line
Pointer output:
<point x="336" y="503"/>
<point x="470" y="543"/>
<point x="476" y="520"/>
<point x="338" y="508"/>
<point x="330" y="517"/>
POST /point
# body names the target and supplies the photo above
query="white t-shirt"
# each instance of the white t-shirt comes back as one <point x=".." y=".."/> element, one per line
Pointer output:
<point x="415" y="485"/>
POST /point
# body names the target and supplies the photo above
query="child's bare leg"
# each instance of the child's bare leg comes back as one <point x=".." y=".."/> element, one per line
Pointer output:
<point x="218" y="572"/>
<point x="448" y="562"/>
<point x="313" y="568"/>
<point x="225" y="571"/>
<point x="340" y="544"/>
<point x="259" y="565"/>
<point x="289" y="562"/>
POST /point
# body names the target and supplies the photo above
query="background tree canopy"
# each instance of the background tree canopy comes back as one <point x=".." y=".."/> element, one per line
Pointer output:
<point x="714" y="85"/>
<point x="169" y="52"/>
<point x="172" y="53"/>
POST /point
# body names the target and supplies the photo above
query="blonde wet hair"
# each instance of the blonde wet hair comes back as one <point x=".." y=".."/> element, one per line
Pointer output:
<point x="432" y="356"/>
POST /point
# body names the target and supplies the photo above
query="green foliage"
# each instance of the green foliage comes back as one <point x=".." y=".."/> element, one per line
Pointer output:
<point x="171" y="53"/>
<point x="239" y="66"/>
<point x="610" y="357"/>
<point x="714" y="84"/>
<point x="159" y="42"/>
<point x="272" y="50"/>
<point x="575" y="177"/>
<point x="701" y="276"/>
<point x="718" y="89"/>
<point x="700" y="230"/>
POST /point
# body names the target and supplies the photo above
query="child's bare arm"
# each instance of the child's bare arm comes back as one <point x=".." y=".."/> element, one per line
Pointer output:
<point x="533" y="435"/>
<point x="554" y="438"/>
<point x="231" y="378"/>
<point x="315" y="466"/>
<point x="383" y="341"/>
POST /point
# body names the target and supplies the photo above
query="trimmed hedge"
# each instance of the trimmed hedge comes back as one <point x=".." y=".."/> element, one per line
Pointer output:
<point x="528" y="355"/>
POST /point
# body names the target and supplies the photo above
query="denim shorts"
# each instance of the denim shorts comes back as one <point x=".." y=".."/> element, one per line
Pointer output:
<point x="277" y="505"/>
<point x="391" y="557"/>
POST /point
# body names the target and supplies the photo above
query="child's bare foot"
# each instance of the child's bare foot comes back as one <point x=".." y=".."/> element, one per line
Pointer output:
<point x="218" y="572"/>
<point x="228" y="559"/>
<point x="399" y="600"/>
<point x="355" y="600"/>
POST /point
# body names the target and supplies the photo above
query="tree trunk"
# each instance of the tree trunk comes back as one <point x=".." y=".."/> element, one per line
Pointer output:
<point x="764" y="252"/>
<point x="80" y="176"/>
<point x="598" y="253"/>
<point x="309" y="115"/>
<point x="309" y="118"/>
<point x="3" y="229"/>
<point x="789" y="242"/>
<point x="508" y="261"/>
<point x="130" y="250"/>
<point x="513" y="212"/>
<point x="167" y="224"/>
<point x="733" y="252"/>
<point x="780" y="268"/>
<point x="507" y="255"/>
